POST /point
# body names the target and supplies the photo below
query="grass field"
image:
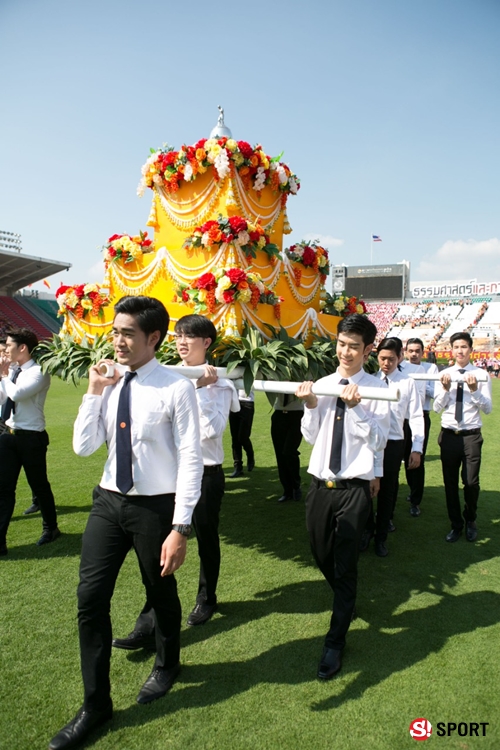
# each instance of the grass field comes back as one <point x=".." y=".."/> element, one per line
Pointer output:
<point x="426" y="642"/>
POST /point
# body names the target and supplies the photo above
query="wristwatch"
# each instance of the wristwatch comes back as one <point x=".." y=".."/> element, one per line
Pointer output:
<point x="182" y="528"/>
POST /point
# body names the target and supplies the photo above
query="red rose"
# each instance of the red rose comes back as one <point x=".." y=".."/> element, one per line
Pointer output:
<point x="62" y="289"/>
<point x="236" y="275"/>
<point x="115" y="237"/>
<point x="308" y="257"/>
<point x="228" y="296"/>
<point x="185" y="296"/>
<point x="208" y="225"/>
<point x="200" y="144"/>
<point x="147" y="243"/>
<point x="245" y="149"/>
<point x="237" y="224"/>
<point x="112" y="252"/>
<point x="79" y="290"/>
<point x="206" y="281"/>
<point x="254" y="236"/>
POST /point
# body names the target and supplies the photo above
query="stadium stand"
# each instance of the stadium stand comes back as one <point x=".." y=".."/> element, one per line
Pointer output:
<point x="17" y="315"/>
<point x="33" y="306"/>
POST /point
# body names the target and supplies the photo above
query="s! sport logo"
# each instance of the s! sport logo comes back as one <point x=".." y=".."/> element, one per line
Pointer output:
<point x="421" y="729"/>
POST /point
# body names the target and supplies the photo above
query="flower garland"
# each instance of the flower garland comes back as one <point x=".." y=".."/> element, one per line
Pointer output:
<point x="248" y="237"/>
<point x="226" y="286"/>
<point x="81" y="300"/>
<point x="126" y="248"/>
<point x="168" y="168"/>
<point x="310" y="255"/>
<point x="343" y="305"/>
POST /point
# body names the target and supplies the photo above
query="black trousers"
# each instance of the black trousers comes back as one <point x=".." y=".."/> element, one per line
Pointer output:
<point x="416" y="477"/>
<point x="387" y="496"/>
<point x="26" y="450"/>
<point x="461" y="452"/>
<point x="335" y="520"/>
<point x="206" y="525"/>
<point x="240" y="424"/>
<point x="116" y="524"/>
<point x="287" y="437"/>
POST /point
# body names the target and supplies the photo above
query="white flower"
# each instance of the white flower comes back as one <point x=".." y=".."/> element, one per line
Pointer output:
<point x="243" y="238"/>
<point x="219" y="294"/>
<point x="157" y="179"/>
<point x="188" y="172"/>
<point x="293" y="185"/>
<point x="141" y="188"/>
<point x="204" y="239"/>
<point x="221" y="163"/>
<point x="260" y="179"/>
<point x="282" y="174"/>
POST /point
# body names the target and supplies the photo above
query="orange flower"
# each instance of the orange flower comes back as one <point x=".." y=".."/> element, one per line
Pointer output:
<point x="243" y="285"/>
<point x="244" y="171"/>
<point x="201" y="154"/>
<point x="254" y="160"/>
<point x="214" y="236"/>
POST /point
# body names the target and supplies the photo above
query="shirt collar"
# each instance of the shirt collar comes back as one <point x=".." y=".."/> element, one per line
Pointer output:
<point x="147" y="369"/>
<point x="352" y="378"/>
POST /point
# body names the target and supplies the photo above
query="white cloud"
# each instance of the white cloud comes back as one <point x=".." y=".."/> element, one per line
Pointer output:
<point x="324" y="239"/>
<point x="95" y="273"/>
<point x="459" y="260"/>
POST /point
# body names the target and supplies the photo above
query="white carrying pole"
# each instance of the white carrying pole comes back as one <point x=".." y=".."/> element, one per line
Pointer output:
<point x="481" y="376"/>
<point x="198" y="370"/>
<point x="335" y="389"/>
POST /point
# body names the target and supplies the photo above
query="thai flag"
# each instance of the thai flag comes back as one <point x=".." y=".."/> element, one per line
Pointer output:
<point x="376" y="238"/>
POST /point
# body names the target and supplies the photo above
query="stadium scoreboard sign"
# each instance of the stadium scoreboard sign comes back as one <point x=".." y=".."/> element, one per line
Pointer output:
<point x="387" y="282"/>
<point x="443" y="289"/>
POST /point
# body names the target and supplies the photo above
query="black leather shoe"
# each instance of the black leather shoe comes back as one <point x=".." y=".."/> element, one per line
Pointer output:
<point x="250" y="463"/>
<point x="381" y="550"/>
<point x="3" y="550"/>
<point x="471" y="531"/>
<point x="297" y="494"/>
<point x="48" y="536"/>
<point x="34" y="508"/>
<point x="391" y="526"/>
<point x="454" y="535"/>
<point x="331" y="661"/>
<point x="284" y="499"/>
<point x="201" y="613"/>
<point x="135" y="640"/>
<point x="237" y="471"/>
<point x="415" y="511"/>
<point x="365" y="541"/>
<point x="79" y="728"/>
<point x="158" y="683"/>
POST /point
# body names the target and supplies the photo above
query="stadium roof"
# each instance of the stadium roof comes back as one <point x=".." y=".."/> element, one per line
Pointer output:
<point x="18" y="270"/>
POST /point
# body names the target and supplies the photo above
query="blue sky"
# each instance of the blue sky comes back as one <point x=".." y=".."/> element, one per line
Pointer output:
<point x="388" y="111"/>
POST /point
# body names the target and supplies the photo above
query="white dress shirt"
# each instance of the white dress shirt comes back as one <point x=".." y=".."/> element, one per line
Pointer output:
<point x="165" y="433"/>
<point x="430" y="385"/>
<point x="366" y="429"/>
<point x="28" y="394"/>
<point x="405" y="368"/>
<point x="473" y="403"/>
<point x="408" y="407"/>
<point x="215" y="401"/>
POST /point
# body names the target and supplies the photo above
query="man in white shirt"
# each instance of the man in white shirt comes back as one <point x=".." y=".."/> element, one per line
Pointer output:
<point x="24" y="442"/>
<point x="240" y="424"/>
<point x="147" y="416"/>
<point x="416" y="477"/>
<point x="194" y="334"/>
<point x="408" y="407"/>
<point x="348" y="435"/>
<point x="461" y="398"/>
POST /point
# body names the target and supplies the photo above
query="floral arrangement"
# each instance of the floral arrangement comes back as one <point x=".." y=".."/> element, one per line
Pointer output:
<point x="225" y="286"/>
<point x="343" y="305"/>
<point x="81" y="300"/>
<point x="310" y="255"/>
<point x="249" y="237"/>
<point x="168" y="168"/>
<point x="126" y="248"/>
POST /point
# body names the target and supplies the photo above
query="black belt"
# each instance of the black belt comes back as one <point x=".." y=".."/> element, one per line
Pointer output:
<point x="15" y="430"/>
<point x="463" y="433"/>
<point x="341" y="484"/>
<point x="212" y="469"/>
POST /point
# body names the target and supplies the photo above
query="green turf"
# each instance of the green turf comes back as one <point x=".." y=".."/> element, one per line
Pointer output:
<point x="426" y="643"/>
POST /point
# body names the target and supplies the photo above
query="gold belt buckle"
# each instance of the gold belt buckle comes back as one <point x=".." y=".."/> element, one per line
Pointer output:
<point x="12" y="431"/>
<point x="331" y="484"/>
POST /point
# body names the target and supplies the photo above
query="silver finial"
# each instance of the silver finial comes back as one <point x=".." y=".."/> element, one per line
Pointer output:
<point x="220" y="129"/>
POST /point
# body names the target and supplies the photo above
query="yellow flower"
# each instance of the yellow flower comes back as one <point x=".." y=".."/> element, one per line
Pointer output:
<point x="137" y="239"/>
<point x="322" y="261"/>
<point x="202" y="295"/>
<point x="261" y="243"/>
<point x="86" y="304"/>
<point x="231" y="145"/>
<point x="339" y="305"/>
<point x="238" y="159"/>
<point x="224" y="283"/>
<point x="71" y="299"/>
<point x="264" y="160"/>
<point x="135" y="251"/>
<point x="218" y="273"/>
<point x="90" y="288"/>
<point x="201" y="154"/>
<point x="244" y="295"/>
<point x="359" y="309"/>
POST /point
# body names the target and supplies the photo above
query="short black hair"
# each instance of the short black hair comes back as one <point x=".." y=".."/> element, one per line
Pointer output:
<point x="23" y="336"/>
<point x="415" y="341"/>
<point x="461" y="336"/>
<point x="150" y="313"/>
<point x="393" y="344"/>
<point x="359" y="324"/>
<point x="196" y="325"/>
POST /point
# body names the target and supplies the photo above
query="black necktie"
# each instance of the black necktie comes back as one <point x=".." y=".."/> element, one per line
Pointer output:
<point x="459" y="406"/>
<point x="386" y="380"/>
<point x="338" y="433"/>
<point x="124" y="480"/>
<point x="9" y="407"/>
